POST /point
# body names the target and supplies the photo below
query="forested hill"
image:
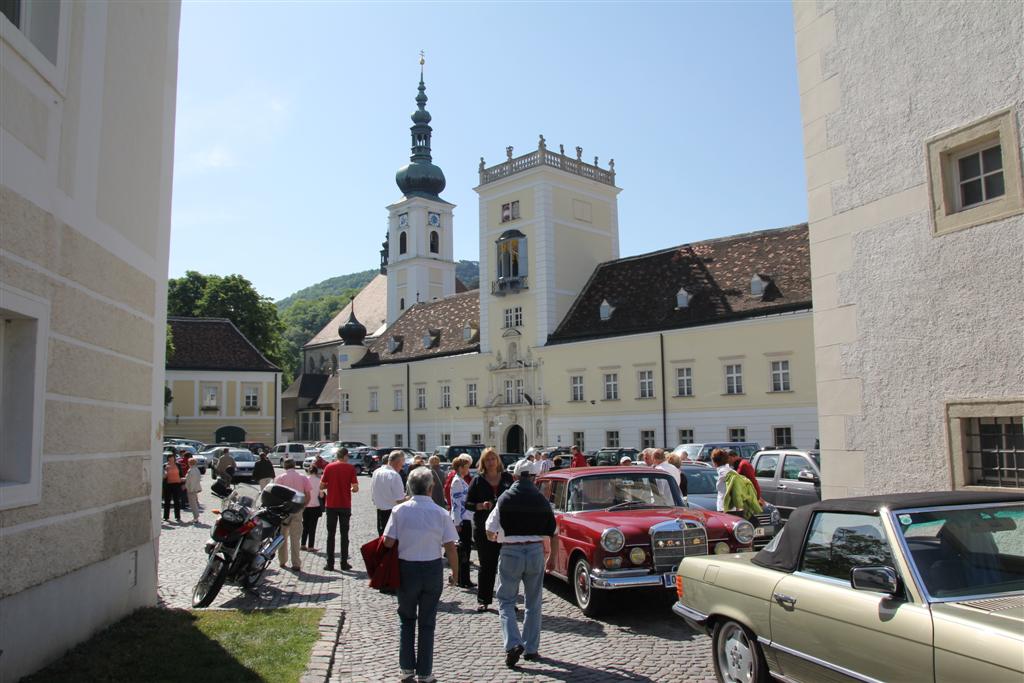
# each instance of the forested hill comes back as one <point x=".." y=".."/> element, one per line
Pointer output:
<point x="467" y="271"/>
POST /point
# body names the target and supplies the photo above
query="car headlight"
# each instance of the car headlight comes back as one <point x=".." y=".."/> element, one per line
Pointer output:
<point x="722" y="548"/>
<point x="637" y="555"/>
<point x="744" y="532"/>
<point x="613" y="540"/>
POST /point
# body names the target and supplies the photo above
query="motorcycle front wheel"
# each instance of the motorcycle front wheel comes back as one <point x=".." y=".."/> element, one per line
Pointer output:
<point x="210" y="582"/>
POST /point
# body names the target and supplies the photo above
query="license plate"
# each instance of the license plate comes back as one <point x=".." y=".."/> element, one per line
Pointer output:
<point x="759" y="531"/>
<point x="669" y="580"/>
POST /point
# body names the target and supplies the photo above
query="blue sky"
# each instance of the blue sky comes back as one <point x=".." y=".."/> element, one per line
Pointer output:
<point x="293" y="118"/>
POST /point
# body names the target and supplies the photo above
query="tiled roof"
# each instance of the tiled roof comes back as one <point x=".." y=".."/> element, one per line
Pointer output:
<point x="213" y="344"/>
<point x="443" y="321"/>
<point x="306" y="385"/>
<point x="331" y="394"/>
<point x="371" y="309"/>
<point x="716" y="273"/>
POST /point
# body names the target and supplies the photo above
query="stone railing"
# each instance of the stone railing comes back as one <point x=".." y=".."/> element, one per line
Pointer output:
<point x="542" y="156"/>
<point x="509" y="285"/>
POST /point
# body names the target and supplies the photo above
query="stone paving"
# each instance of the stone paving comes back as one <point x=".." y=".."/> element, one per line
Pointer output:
<point x="638" y="639"/>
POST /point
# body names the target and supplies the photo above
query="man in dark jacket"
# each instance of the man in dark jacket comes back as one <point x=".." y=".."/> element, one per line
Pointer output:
<point x="263" y="470"/>
<point x="522" y="520"/>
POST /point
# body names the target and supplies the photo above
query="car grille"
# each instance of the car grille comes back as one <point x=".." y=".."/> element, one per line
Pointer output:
<point x="669" y="547"/>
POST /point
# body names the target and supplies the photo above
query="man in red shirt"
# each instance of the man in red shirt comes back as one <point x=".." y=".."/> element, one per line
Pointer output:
<point x="578" y="459"/>
<point x="747" y="470"/>
<point x="339" y="480"/>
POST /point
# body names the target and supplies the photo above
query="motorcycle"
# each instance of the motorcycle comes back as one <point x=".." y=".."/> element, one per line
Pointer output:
<point x="244" y="538"/>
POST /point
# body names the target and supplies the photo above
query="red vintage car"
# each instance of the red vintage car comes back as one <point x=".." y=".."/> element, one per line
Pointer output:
<point x="628" y="527"/>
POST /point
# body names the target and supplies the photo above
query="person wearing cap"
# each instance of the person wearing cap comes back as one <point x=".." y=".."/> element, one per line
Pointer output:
<point x="626" y="461"/>
<point x="291" y="527"/>
<point x="521" y="520"/>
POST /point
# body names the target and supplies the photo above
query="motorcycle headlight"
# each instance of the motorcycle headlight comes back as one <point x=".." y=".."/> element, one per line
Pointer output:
<point x="613" y="540"/>
<point x="234" y="517"/>
<point x="744" y="532"/>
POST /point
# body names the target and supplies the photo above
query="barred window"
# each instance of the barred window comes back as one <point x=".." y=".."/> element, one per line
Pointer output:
<point x="994" y="450"/>
<point x="737" y="434"/>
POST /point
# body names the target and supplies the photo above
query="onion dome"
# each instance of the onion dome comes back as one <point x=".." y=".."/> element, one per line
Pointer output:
<point x="353" y="332"/>
<point x="420" y="177"/>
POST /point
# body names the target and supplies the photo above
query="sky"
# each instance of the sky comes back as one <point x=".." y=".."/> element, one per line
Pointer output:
<point x="292" y="119"/>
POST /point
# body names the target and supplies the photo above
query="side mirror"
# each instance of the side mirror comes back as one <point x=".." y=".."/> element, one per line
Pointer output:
<point x="808" y="476"/>
<point x="875" y="579"/>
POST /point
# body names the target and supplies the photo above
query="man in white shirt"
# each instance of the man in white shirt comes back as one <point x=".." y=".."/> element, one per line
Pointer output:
<point x="661" y="463"/>
<point x="386" y="488"/>
<point x="421" y="529"/>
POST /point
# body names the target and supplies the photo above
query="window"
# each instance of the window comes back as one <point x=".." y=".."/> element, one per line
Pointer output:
<point x="435" y="242"/>
<point x="994" y="449"/>
<point x="328" y="417"/>
<point x="780" y="375"/>
<point x="398" y="399"/>
<point x="734" y="378"/>
<point x="682" y="298"/>
<point x="514" y="317"/>
<point x="793" y="465"/>
<point x="611" y="386"/>
<point x="838" y="542"/>
<point x="576" y="388"/>
<point x="211" y="393"/>
<point x="645" y="379"/>
<point x="403" y="242"/>
<point x="510" y="211"/>
<point x="421" y="442"/>
<point x="374" y="441"/>
<point x="24" y="329"/>
<point x="509" y="392"/>
<point x="251" y="398"/>
<point x="421" y="398"/>
<point x="511" y="260"/>
<point x="975" y="173"/>
<point x="475" y="438"/>
<point x="577" y="440"/>
<point x="646" y="438"/>
<point x="520" y="392"/>
<point x="737" y="434"/>
<point x="446" y="395"/>
<point x="766" y="466"/>
<point x="39" y="21"/>
<point x="685" y="436"/>
<point x="783" y="437"/>
<point x="398" y="440"/>
<point x="471" y="394"/>
<point x="374" y="403"/>
<point x="611" y="439"/>
<point x="446" y="439"/>
<point x="605" y="310"/>
<point x="401" y="304"/>
<point x="346" y="405"/>
<point x="684" y="381"/>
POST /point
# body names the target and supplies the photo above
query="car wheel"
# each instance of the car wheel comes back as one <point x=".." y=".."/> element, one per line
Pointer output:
<point x="591" y="600"/>
<point x="738" y="657"/>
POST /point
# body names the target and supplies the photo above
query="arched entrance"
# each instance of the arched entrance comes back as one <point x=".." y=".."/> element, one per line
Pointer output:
<point x="229" y="434"/>
<point x="514" y="439"/>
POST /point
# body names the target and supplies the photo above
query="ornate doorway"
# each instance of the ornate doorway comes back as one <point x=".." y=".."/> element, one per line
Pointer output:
<point x="514" y="439"/>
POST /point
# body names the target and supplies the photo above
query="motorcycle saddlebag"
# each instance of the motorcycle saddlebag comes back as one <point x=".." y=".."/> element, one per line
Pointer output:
<point x="278" y="496"/>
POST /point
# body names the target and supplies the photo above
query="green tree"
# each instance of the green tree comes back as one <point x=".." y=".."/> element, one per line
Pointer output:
<point x="303" y="319"/>
<point x="184" y="293"/>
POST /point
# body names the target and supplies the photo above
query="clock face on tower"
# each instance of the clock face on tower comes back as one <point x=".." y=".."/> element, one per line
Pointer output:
<point x="434" y="219"/>
<point x="403" y="220"/>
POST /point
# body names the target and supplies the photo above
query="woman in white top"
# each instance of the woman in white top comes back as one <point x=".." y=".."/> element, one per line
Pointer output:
<point x="311" y="514"/>
<point x="193" y="485"/>
<point x="462" y="517"/>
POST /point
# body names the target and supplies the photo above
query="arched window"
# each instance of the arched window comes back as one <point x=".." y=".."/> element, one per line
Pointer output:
<point x="511" y="255"/>
<point x="310" y="365"/>
<point x="435" y="242"/>
<point x="401" y="304"/>
<point x="402" y="242"/>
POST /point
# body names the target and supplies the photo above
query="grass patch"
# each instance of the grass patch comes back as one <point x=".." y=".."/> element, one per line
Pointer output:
<point x="221" y="646"/>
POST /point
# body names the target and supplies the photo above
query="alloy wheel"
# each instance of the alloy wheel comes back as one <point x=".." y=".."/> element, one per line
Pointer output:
<point x="735" y="655"/>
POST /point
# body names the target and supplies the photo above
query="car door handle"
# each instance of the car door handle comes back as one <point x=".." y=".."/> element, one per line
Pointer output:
<point x="787" y="601"/>
<point x="781" y="486"/>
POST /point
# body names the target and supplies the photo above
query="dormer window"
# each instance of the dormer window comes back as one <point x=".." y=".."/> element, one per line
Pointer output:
<point x="606" y="310"/>
<point x="468" y="333"/>
<point x="683" y="298"/>
<point x="395" y="343"/>
<point x="757" y="285"/>
<point x="431" y="339"/>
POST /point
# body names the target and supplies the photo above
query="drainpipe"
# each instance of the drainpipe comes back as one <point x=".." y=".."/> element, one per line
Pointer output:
<point x="664" y="398"/>
<point x="408" y="408"/>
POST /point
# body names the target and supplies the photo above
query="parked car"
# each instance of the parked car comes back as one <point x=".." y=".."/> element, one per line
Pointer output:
<point x="245" y="461"/>
<point x="701" y="492"/>
<point x="701" y="452"/>
<point x="379" y="456"/>
<point x="328" y="454"/>
<point x="472" y="450"/>
<point x="788" y="478"/>
<point x="509" y="460"/>
<point x="612" y="456"/>
<point x="198" y="445"/>
<point x="621" y="528"/>
<point x="293" y="450"/>
<point x="900" y="587"/>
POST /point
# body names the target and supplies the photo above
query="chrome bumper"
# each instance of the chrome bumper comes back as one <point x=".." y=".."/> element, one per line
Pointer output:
<point x="695" y="619"/>
<point x="624" y="578"/>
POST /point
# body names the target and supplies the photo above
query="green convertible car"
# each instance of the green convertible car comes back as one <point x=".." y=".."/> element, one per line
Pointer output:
<point x="902" y="587"/>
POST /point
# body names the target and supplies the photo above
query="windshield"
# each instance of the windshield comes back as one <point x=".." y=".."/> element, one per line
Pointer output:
<point x="967" y="551"/>
<point x="329" y="453"/>
<point x="691" y="450"/>
<point x="243" y="456"/>
<point x="609" y="457"/>
<point x="816" y="457"/>
<point x="700" y="480"/>
<point x="244" y="495"/>
<point x="632" y="489"/>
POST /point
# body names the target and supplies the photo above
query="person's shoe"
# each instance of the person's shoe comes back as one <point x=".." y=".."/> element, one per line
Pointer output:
<point x="329" y="568"/>
<point x="346" y="566"/>
<point x="482" y="608"/>
<point x="313" y="550"/>
<point x="531" y="656"/>
<point x="407" y="673"/>
<point x="513" y="655"/>
<point x="426" y="679"/>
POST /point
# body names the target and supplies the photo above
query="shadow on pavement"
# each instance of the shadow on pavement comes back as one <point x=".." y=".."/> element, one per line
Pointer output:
<point x="582" y="626"/>
<point x="568" y="671"/>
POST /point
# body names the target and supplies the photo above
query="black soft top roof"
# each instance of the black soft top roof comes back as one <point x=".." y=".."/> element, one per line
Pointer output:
<point x="786" y="555"/>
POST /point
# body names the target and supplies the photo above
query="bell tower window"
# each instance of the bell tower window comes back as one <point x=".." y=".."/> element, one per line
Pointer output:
<point x="511" y="262"/>
<point x="403" y="243"/>
<point x="435" y="242"/>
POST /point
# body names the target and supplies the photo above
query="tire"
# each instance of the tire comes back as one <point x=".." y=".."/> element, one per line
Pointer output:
<point x="210" y="582"/>
<point x="590" y="600"/>
<point x="737" y="654"/>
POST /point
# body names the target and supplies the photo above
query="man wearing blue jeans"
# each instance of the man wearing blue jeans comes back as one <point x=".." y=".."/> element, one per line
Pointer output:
<point x="520" y="521"/>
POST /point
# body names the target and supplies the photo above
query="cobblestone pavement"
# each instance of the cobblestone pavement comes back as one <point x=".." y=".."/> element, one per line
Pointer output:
<point x="638" y="639"/>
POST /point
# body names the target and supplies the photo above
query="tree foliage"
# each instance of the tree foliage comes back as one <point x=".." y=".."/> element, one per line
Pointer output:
<point x="303" y="319"/>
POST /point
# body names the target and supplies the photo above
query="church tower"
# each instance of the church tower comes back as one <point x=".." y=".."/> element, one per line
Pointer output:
<point x="420" y="261"/>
